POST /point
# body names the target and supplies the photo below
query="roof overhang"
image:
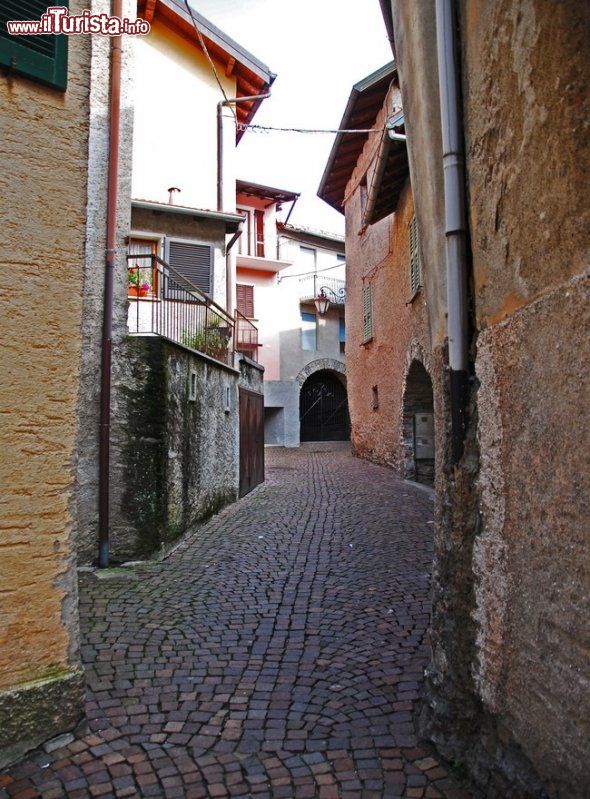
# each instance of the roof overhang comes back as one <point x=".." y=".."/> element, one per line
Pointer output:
<point x="365" y="101"/>
<point x="252" y="76"/>
<point x="265" y="192"/>
<point x="391" y="173"/>
<point x="315" y="238"/>
<point x="230" y="221"/>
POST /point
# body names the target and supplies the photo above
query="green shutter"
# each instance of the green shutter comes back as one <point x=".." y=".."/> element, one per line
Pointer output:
<point x="367" y="312"/>
<point x="42" y="58"/>
<point x="415" y="281"/>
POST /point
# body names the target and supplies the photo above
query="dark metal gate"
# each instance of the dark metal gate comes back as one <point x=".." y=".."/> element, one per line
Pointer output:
<point x="323" y="409"/>
<point x="251" y="440"/>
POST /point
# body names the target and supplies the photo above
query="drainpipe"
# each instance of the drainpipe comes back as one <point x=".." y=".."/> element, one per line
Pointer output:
<point x="231" y="101"/>
<point x="455" y="221"/>
<point x="230" y="277"/>
<point x="107" y="328"/>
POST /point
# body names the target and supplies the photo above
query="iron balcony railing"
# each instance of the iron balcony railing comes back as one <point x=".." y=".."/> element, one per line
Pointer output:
<point x="246" y="336"/>
<point x="163" y="302"/>
<point x="310" y="287"/>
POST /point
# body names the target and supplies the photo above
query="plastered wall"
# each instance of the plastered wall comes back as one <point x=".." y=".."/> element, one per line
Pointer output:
<point x="44" y="134"/>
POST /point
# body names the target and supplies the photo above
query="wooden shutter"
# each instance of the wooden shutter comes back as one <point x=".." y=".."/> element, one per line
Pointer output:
<point x="41" y="57"/>
<point x="367" y="312"/>
<point x="415" y="281"/>
<point x="193" y="261"/>
<point x="259" y="225"/>
<point x="245" y="300"/>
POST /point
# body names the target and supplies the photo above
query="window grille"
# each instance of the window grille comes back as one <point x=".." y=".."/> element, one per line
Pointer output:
<point x="415" y="280"/>
<point x="367" y="312"/>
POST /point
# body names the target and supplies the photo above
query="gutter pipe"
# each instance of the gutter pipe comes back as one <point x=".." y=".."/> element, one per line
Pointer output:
<point x="455" y="218"/>
<point x="230" y="101"/>
<point x="228" y="283"/>
<point x="107" y="328"/>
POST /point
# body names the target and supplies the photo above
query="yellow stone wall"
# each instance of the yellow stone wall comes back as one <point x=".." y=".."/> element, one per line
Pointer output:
<point x="43" y="159"/>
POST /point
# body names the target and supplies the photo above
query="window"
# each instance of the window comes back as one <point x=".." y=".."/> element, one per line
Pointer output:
<point x="340" y="258"/>
<point x="259" y="232"/>
<point x="375" y="398"/>
<point x="342" y="334"/>
<point x="245" y="246"/>
<point x="142" y="271"/>
<point x="42" y="58"/>
<point x="194" y="261"/>
<point x="367" y="313"/>
<point x="415" y="281"/>
<point x="245" y="300"/>
<point x="308" y="331"/>
<point x="307" y="258"/>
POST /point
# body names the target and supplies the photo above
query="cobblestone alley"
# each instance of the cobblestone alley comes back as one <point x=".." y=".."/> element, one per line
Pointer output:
<point x="278" y="652"/>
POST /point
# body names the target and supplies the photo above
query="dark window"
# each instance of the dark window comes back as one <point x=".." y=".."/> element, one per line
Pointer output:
<point x="245" y="300"/>
<point x="193" y="261"/>
<point x="42" y="58"/>
<point x="342" y="334"/>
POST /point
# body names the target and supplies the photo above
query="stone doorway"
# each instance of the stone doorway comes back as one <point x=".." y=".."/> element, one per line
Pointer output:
<point x="418" y="425"/>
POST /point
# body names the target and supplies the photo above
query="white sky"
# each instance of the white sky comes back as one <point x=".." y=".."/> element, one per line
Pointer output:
<point x="318" y="49"/>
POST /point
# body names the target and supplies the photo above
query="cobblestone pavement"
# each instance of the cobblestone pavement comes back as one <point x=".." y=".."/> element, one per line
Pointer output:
<point x="278" y="652"/>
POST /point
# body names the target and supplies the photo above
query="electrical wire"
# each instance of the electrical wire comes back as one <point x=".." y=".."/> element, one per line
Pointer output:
<point x="211" y="63"/>
<point x="317" y="272"/>
<point x="245" y="126"/>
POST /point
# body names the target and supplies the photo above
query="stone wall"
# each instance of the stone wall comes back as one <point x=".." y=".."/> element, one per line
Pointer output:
<point x="44" y="134"/>
<point x="174" y="460"/>
<point x="379" y="256"/>
<point x="507" y="687"/>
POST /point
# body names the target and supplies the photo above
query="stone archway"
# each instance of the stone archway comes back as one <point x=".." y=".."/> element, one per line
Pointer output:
<point x="418" y="421"/>
<point x="322" y="364"/>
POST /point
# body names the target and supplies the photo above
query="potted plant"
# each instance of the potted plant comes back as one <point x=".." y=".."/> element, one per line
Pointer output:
<point x="137" y="286"/>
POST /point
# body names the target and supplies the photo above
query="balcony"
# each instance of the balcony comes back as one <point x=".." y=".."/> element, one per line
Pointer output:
<point x="163" y="302"/>
<point x="246" y="337"/>
<point x="310" y="287"/>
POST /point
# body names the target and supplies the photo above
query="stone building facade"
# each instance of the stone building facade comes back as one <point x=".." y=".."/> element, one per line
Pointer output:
<point x="390" y="389"/>
<point x="507" y="686"/>
<point x="44" y="133"/>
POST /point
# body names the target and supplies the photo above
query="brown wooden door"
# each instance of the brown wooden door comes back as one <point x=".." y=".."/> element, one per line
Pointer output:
<point x="251" y="440"/>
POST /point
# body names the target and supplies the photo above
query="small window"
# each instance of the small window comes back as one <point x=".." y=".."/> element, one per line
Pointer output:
<point x="415" y="279"/>
<point x="342" y="334"/>
<point x="42" y="58"/>
<point x="340" y="258"/>
<point x="245" y="300"/>
<point x="192" y="386"/>
<point x="308" y="258"/>
<point x="375" y="398"/>
<point x="308" y="331"/>
<point x="367" y="312"/>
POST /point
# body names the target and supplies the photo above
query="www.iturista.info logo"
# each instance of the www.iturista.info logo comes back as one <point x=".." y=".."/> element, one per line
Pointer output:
<point x="57" y="20"/>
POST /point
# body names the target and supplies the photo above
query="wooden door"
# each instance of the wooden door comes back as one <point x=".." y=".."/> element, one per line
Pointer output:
<point x="251" y="440"/>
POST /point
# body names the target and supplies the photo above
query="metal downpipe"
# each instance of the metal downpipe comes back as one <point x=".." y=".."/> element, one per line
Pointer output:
<point x="455" y="219"/>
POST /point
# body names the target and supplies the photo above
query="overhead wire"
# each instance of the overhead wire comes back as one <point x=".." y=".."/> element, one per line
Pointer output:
<point x="211" y="62"/>
<point x="244" y="126"/>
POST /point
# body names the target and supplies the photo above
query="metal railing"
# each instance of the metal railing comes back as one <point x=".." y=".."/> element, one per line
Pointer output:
<point x="163" y="302"/>
<point x="246" y="337"/>
<point x="310" y="286"/>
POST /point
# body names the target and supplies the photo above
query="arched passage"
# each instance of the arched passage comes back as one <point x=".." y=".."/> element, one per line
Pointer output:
<point x="418" y="424"/>
<point x="323" y="408"/>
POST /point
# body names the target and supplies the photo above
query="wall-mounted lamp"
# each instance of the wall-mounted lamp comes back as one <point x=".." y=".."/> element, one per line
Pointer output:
<point x="322" y="303"/>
